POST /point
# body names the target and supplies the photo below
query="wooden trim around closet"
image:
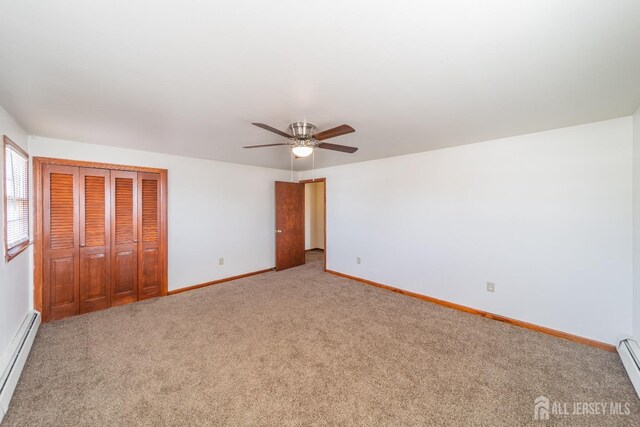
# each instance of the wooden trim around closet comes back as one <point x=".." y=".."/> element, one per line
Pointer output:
<point x="38" y="236"/>
<point x="38" y="164"/>
<point x="486" y="314"/>
<point x="99" y="165"/>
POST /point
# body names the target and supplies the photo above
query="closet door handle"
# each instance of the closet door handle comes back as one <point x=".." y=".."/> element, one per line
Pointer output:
<point x="135" y="241"/>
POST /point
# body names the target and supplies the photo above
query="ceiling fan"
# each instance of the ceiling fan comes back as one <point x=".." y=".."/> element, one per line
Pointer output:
<point x="304" y="139"/>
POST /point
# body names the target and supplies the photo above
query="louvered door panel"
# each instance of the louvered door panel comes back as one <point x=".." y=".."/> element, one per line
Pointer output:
<point x="124" y="230"/>
<point x="61" y="241"/>
<point x="149" y="253"/>
<point x="95" y="244"/>
<point x="62" y="207"/>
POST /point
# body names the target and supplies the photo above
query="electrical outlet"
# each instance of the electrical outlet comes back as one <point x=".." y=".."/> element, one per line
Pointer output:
<point x="357" y="260"/>
<point x="491" y="287"/>
<point x="221" y="261"/>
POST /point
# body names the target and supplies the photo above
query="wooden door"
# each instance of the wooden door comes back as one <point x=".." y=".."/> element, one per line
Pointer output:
<point x="61" y="241"/>
<point x="95" y="239"/>
<point x="150" y="259"/>
<point x="124" y="237"/>
<point x="289" y="225"/>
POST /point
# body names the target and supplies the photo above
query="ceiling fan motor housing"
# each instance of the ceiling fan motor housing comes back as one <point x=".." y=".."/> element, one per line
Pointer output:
<point x="302" y="130"/>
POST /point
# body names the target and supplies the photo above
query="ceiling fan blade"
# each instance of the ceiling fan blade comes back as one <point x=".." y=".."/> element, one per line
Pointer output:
<point x="271" y="129"/>
<point x="336" y="147"/>
<point x="264" y="145"/>
<point x="333" y="132"/>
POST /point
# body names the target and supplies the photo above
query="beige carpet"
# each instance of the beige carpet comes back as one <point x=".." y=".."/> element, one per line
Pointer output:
<point x="302" y="347"/>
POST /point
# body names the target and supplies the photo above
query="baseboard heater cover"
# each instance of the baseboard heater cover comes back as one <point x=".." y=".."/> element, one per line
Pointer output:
<point x="16" y="358"/>
<point x="629" y="351"/>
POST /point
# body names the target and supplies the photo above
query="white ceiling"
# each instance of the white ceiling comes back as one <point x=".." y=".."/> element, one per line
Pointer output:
<point x="188" y="77"/>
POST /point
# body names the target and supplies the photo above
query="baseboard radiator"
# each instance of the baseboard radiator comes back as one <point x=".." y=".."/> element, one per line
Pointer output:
<point x="629" y="351"/>
<point x="16" y="358"/>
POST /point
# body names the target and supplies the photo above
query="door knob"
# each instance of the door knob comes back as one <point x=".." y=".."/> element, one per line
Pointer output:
<point x="278" y="231"/>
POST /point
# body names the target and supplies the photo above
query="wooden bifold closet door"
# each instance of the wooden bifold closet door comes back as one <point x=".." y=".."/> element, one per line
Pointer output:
<point x="95" y="243"/>
<point x="124" y="280"/>
<point x="150" y="262"/>
<point x="61" y="241"/>
<point x="103" y="241"/>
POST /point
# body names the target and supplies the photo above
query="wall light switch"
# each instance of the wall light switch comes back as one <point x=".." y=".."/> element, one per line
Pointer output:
<point x="221" y="261"/>
<point x="358" y="260"/>
<point x="491" y="287"/>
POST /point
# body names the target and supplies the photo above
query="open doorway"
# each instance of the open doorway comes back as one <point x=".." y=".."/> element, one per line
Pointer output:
<point x="315" y="222"/>
<point x="301" y="221"/>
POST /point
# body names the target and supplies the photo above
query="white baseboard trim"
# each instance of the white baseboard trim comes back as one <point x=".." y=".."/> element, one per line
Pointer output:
<point x="12" y="366"/>
<point x="629" y="351"/>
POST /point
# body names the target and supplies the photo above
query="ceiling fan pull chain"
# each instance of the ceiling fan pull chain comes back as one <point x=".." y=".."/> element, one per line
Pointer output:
<point x="313" y="165"/>
<point x="291" y="151"/>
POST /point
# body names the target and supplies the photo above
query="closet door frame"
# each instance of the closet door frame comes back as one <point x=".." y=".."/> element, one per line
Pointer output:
<point x="38" y="188"/>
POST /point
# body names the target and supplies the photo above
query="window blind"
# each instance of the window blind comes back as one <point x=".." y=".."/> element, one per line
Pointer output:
<point x="16" y="173"/>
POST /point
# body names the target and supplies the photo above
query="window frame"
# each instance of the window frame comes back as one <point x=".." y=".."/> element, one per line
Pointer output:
<point x="12" y="252"/>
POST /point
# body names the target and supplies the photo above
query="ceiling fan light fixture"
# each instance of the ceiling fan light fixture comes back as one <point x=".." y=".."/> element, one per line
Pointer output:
<point x="302" y="150"/>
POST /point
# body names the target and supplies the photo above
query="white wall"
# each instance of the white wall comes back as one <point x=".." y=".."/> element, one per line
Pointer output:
<point x="309" y="226"/>
<point x="545" y="216"/>
<point x="15" y="276"/>
<point x="319" y="216"/>
<point x="314" y="215"/>
<point x="216" y="210"/>
<point x="636" y="223"/>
